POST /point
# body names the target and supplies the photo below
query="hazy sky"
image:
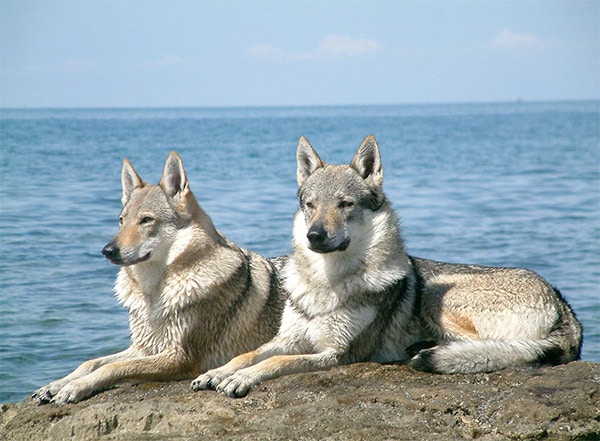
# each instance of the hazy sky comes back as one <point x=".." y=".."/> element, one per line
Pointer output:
<point x="248" y="53"/>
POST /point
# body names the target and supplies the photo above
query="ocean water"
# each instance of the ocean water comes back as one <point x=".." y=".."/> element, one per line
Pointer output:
<point x="495" y="184"/>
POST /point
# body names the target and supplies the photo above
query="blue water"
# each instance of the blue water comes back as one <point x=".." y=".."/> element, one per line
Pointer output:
<point x="496" y="184"/>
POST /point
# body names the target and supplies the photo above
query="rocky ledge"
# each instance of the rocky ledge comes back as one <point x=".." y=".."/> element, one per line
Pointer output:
<point x="364" y="401"/>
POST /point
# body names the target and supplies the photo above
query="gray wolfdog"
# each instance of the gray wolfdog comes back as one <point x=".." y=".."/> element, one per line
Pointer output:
<point x="355" y="294"/>
<point x="195" y="299"/>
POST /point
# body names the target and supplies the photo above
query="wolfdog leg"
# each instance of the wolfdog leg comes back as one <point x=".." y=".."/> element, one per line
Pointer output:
<point x="162" y="367"/>
<point x="212" y="378"/>
<point x="46" y="393"/>
<point x="238" y="384"/>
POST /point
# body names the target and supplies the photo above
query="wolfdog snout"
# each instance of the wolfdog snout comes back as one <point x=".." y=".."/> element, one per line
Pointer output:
<point x="111" y="251"/>
<point x="316" y="235"/>
<point x="320" y="241"/>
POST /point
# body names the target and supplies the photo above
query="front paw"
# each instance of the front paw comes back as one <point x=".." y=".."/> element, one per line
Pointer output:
<point x="237" y="385"/>
<point x="45" y="394"/>
<point x="202" y="382"/>
<point x="73" y="392"/>
<point x="209" y="380"/>
<point x="42" y="395"/>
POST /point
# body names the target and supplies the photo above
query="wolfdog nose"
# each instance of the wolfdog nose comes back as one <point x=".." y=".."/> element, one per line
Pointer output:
<point x="316" y="235"/>
<point x="110" y="250"/>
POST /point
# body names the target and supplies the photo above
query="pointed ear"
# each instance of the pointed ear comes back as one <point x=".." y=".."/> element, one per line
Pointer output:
<point x="308" y="160"/>
<point x="130" y="180"/>
<point x="367" y="162"/>
<point x="173" y="180"/>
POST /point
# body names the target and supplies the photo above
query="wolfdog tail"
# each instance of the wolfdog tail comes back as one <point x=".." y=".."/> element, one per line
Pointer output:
<point x="561" y="345"/>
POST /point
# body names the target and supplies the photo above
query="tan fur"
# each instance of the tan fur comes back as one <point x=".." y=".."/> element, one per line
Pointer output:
<point x="459" y="325"/>
<point x="195" y="300"/>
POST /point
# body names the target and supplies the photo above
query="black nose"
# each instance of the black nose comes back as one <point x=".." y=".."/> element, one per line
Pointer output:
<point x="316" y="235"/>
<point x="111" y="251"/>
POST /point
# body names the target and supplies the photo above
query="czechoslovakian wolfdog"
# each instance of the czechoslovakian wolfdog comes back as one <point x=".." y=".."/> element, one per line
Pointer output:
<point x="195" y="299"/>
<point x="355" y="295"/>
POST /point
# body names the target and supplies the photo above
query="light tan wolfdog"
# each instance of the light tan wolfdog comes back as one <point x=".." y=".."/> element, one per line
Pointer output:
<point x="195" y="299"/>
<point x="355" y="294"/>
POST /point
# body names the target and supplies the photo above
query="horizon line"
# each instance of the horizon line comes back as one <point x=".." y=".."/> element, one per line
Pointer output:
<point x="274" y="106"/>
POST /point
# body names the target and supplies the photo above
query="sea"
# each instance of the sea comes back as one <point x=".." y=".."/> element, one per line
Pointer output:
<point x="507" y="184"/>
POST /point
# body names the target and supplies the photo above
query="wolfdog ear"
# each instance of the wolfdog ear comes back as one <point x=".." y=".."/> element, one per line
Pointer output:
<point x="130" y="180"/>
<point x="308" y="160"/>
<point x="173" y="180"/>
<point x="367" y="161"/>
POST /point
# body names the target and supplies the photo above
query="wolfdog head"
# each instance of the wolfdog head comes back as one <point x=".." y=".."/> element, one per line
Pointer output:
<point x="335" y="198"/>
<point x="154" y="216"/>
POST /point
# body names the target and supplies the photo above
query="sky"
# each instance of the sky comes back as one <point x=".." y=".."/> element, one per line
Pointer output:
<point x="92" y="53"/>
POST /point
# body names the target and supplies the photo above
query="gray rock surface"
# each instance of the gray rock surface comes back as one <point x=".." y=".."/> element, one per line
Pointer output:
<point x="364" y="401"/>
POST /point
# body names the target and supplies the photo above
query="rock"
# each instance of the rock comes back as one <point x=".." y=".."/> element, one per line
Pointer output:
<point x="357" y="402"/>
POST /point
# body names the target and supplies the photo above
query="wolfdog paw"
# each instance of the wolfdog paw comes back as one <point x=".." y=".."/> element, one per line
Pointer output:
<point x="236" y="386"/>
<point x="45" y="394"/>
<point x="208" y="381"/>
<point x="73" y="392"/>
<point x="202" y="383"/>
<point x="42" y="395"/>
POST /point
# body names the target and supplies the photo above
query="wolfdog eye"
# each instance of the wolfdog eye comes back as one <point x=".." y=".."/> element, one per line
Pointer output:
<point x="120" y="220"/>
<point x="309" y="205"/>
<point x="146" y="220"/>
<point x="346" y="204"/>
